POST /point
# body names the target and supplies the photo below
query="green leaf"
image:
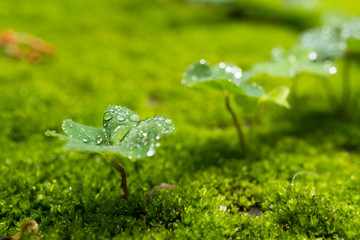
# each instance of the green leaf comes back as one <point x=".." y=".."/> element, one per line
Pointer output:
<point x="118" y="121"/>
<point x="230" y="78"/>
<point x="143" y="140"/>
<point x="326" y="41"/>
<point x="288" y="64"/>
<point x="278" y="95"/>
<point x="224" y="77"/>
<point x="83" y="133"/>
<point x="139" y="139"/>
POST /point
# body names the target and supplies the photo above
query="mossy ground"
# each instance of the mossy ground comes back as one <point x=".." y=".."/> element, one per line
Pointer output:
<point x="133" y="53"/>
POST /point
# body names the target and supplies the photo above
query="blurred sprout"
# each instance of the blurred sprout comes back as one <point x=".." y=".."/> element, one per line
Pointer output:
<point x="231" y="79"/>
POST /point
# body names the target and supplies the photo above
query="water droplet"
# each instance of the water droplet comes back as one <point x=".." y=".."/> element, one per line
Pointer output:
<point x="85" y="140"/>
<point x="202" y="61"/>
<point x="120" y="118"/>
<point x="144" y="134"/>
<point x="238" y="75"/>
<point x="221" y="65"/>
<point x="194" y="78"/>
<point x="168" y="121"/>
<point x="99" y="141"/>
<point x="107" y="116"/>
<point x="151" y="151"/>
<point x="157" y="144"/>
<point x="157" y="137"/>
<point x="312" y="56"/>
<point x="228" y="69"/>
<point x="332" y="70"/>
<point x="135" y="118"/>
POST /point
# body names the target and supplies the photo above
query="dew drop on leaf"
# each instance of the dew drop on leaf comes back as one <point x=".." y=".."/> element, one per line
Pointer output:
<point x="135" y="118"/>
<point x="151" y="151"/>
<point x="238" y="75"/>
<point x="332" y="70"/>
<point x="85" y="140"/>
<point x="107" y="116"/>
<point x="312" y="56"/>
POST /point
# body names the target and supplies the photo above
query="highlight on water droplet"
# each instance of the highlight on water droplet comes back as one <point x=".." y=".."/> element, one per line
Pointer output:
<point x="312" y="56"/>
<point x="151" y="151"/>
<point x="332" y="70"/>
<point x="135" y="118"/>
<point x="85" y="140"/>
<point x="202" y="61"/>
<point x="238" y="75"/>
<point x="107" y="116"/>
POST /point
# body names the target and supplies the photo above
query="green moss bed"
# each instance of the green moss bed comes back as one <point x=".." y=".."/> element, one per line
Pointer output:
<point x="299" y="180"/>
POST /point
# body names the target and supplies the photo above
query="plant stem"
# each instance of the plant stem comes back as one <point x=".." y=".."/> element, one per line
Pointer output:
<point x="346" y="80"/>
<point x="236" y="122"/>
<point x="121" y="170"/>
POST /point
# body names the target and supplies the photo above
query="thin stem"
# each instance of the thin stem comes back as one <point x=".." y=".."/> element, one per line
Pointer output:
<point x="330" y="92"/>
<point x="29" y="225"/>
<point x="121" y="170"/>
<point x="236" y="122"/>
<point x="346" y="80"/>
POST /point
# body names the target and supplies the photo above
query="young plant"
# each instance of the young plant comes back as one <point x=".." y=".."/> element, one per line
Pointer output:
<point x="339" y="41"/>
<point x="290" y="64"/>
<point x="230" y="79"/>
<point x="122" y="133"/>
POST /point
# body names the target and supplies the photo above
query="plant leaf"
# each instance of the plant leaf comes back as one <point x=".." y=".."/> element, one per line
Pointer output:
<point x="83" y="133"/>
<point x="143" y="140"/>
<point x="140" y="140"/>
<point x="288" y="64"/>
<point x="278" y="95"/>
<point x="118" y="121"/>
<point x="224" y="77"/>
<point x="326" y="41"/>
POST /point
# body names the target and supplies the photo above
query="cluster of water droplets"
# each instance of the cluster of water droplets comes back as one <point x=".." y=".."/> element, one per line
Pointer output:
<point x="351" y="29"/>
<point x="326" y="41"/>
<point x="117" y="121"/>
<point x="143" y="140"/>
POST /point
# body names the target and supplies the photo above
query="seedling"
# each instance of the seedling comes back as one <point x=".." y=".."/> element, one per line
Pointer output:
<point x="340" y="41"/>
<point x="298" y="60"/>
<point x="122" y="133"/>
<point x="230" y="79"/>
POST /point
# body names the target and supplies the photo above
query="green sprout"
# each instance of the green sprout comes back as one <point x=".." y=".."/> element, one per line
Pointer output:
<point x="230" y="79"/>
<point x="290" y="64"/>
<point x="122" y="133"/>
<point x="340" y="40"/>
